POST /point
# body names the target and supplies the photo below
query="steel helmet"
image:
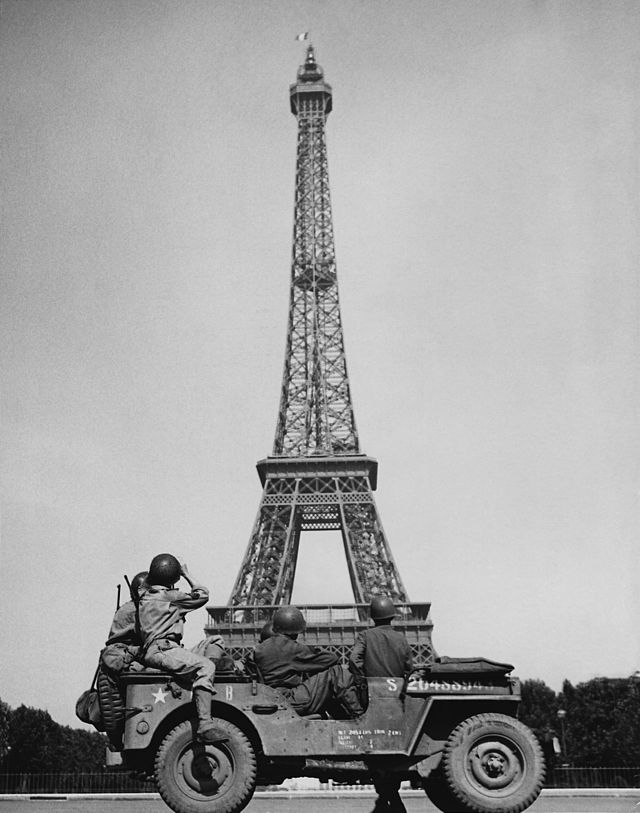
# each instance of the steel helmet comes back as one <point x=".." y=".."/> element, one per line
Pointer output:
<point x="137" y="582"/>
<point x="164" y="569"/>
<point x="381" y="608"/>
<point x="266" y="631"/>
<point x="288" y="621"/>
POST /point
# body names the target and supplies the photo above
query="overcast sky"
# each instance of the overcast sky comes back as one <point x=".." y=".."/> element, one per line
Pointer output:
<point x="483" y="159"/>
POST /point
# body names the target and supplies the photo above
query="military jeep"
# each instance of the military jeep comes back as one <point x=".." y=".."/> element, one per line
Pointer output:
<point x="450" y="728"/>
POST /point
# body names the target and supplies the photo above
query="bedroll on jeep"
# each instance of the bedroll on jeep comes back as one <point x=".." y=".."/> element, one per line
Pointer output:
<point x="450" y="728"/>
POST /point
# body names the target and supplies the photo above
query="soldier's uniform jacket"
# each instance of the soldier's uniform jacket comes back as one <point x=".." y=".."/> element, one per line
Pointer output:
<point x="124" y="627"/>
<point x="162" y="611"/>
<point x="284" y="662"/>
<point x="123" y="644"/>
<point x="382" y="652"/>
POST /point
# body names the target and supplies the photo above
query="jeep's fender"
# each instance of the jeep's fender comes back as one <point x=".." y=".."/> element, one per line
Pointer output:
<point x="155" y="706"/>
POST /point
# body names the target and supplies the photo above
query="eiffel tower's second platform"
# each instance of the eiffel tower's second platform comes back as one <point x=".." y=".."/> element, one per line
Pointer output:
<point x="333" y="627"/>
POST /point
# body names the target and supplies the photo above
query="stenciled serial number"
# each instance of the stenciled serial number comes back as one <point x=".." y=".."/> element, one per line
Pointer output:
<point x="422" y="685"/>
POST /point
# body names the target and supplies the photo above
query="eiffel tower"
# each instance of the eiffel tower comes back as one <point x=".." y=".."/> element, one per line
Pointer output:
<point x="317" y="477"/>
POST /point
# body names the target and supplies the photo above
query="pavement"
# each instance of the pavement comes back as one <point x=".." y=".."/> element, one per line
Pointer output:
<point x="571" y="800"/>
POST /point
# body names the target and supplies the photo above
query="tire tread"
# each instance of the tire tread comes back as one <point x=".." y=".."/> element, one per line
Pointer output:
<point x="231" y="803"/>
<point x="500" y="805"/>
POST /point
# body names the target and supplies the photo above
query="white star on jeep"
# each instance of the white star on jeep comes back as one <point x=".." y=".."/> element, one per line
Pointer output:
<point x="159" y="696"/>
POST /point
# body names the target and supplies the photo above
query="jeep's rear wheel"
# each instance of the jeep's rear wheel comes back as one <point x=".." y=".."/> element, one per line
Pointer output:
<point x="196" y="777"/>
<point x="493" y="762"/>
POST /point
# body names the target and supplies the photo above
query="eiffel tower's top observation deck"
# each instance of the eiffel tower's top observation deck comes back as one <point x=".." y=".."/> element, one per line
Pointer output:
<point x="310" y="86"/>
<point x="313" y="252"/>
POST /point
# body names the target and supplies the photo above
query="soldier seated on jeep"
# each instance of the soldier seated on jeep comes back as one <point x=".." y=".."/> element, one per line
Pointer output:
<point x="312" y="681"/>
<point x="162" y="611"/>
<point x="123" y="643"/>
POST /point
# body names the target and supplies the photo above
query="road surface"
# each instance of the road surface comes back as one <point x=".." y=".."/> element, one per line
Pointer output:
<point x="549" y="802"/>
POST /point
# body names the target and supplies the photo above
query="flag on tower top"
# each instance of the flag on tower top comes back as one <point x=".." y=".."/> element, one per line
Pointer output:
<point x="303" y="36"/>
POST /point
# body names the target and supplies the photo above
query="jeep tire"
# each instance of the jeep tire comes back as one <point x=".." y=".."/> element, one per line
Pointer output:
<point x="492" y="762"/>
<point x="112" y="708"/>
<point x="195" y="777"/>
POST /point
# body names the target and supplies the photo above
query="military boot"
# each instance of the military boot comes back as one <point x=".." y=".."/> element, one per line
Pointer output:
<point x="207" y="731"/>
<point x="389" y="798"/>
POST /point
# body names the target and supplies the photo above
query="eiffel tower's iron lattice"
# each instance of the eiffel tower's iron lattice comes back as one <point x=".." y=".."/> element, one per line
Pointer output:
<point x="316" y="414"/>
<point x="317" y="478"/>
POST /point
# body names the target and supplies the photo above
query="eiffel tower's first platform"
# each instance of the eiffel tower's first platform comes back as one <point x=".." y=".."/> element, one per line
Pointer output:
<point x="317" y="477"/>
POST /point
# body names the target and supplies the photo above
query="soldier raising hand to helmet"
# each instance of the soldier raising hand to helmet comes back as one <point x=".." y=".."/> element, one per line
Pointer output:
<point x="162" y="614"/>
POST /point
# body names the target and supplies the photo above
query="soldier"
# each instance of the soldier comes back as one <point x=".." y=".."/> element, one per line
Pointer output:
<point x="312" y="680"/>
<point x="266" y="631"/>
<point x="381" y="650"/>
<point x="162" y="614"/>
<point x="388" y="790"/>
<point x="124" y="642"/>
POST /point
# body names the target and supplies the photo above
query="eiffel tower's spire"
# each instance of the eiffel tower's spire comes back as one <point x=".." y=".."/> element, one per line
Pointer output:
<point x="316" y="414"/>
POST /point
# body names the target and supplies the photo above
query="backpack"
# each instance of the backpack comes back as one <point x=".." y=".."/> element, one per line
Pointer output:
<point x="88" y="709"/>
<point x="88" y="706"/>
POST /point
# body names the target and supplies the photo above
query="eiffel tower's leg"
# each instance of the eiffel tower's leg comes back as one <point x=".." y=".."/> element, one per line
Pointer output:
<point x="272" y="551"/>
<point x="372" y="568"/>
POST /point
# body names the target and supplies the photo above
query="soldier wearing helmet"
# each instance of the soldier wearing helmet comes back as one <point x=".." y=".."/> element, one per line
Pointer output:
<point x="266" y="631"/>
<point x="312" y="680"/>
<point x="123" y="643"/>
<point x="162" y="614"/>
<point x="381" y="650"/>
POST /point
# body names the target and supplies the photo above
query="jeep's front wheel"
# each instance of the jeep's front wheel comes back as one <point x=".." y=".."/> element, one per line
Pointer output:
<point x="195" y="777"/>
<point x="492" y="762"/>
